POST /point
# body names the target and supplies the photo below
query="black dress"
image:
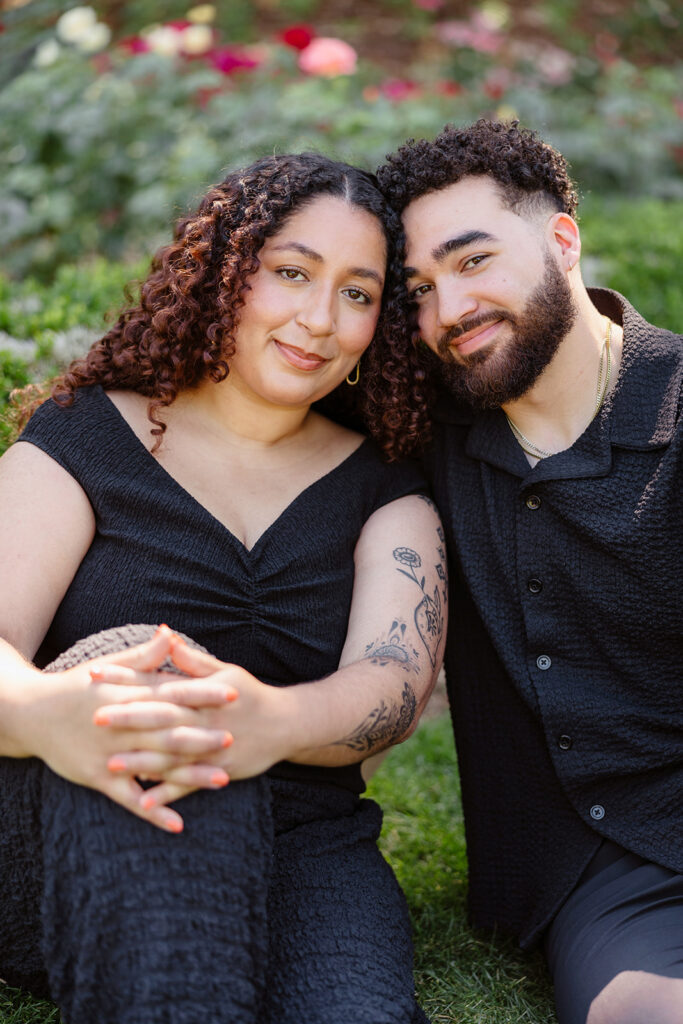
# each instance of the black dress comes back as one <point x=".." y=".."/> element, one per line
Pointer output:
<point x="274" y="906"/>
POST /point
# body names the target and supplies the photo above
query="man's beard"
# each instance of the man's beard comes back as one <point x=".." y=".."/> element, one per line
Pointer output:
<point x="500" y="373"/>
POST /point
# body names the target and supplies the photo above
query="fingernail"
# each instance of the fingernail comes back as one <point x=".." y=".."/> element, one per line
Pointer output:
<point x="147" y="802"/>
<point x="116" y="764"/>
<point x="178" y="641"/>
<point x="219" y="779"/>
<point x="96" y="671"/>
<point x="101" y="718"/>
<point x="227" y="740"/>
<point x="163" y="628"/>
<point x="231" y="695"/>
<point x="173" y="825"/>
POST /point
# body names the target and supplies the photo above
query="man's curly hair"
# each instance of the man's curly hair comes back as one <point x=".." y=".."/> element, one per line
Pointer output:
<point x="184" y="329"/>
<point x="526" y="169"/>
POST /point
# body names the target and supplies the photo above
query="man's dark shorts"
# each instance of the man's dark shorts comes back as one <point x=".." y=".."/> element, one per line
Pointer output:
<point x="626" y="914"/>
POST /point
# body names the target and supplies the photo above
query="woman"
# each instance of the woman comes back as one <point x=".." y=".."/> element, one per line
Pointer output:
<point x="181" y="474"/>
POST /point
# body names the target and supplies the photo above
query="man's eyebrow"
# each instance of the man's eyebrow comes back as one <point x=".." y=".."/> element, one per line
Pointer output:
<point x="460" y="242"/>
<point x="365" y="272"/>
<point x="440" y="253"/>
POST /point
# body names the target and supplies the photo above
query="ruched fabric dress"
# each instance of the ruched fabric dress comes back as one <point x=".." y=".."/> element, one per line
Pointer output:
<point x="274" y="906"/>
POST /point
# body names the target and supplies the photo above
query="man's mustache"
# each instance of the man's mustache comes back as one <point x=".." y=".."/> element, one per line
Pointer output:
<point x="453" y="333"/>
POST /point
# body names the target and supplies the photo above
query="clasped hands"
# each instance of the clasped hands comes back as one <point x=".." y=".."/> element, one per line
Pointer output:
<point x="214" y="723"/>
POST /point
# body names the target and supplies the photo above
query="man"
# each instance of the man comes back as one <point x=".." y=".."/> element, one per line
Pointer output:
<point x="556" y="465"/>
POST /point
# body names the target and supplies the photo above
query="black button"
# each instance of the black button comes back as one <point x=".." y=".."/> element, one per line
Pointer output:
<point x="565" y="742"/>
<point x="597" y="812"/>
<point x="543" y="662"/>
<point x="535" y="585"/>
<point x="533" y="501"/>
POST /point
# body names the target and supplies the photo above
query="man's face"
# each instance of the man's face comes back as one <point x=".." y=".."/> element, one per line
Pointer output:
<point x="492" y="300"/>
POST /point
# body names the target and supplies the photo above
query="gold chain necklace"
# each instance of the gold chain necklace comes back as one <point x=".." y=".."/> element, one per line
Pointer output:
<point x="601" y="390"/>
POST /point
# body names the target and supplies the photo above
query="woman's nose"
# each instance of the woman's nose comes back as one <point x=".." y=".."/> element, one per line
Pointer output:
<point x="317" y="314"/>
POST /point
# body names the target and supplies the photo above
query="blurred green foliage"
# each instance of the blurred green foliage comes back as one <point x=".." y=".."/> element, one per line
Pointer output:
<point x="98" y="153"/>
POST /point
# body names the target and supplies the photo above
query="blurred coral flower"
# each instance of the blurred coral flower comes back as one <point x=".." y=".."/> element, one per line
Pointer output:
<point x="297" y="36"/>
<point x="328" y="57"/>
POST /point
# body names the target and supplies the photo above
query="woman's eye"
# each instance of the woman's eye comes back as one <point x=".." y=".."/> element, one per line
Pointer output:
<point x="358" y="295"/>
<point x="474" y="261"/>
<point x="291" y="273"/>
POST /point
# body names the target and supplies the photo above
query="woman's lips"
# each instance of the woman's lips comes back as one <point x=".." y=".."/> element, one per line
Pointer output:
<point x="298" y="358"/>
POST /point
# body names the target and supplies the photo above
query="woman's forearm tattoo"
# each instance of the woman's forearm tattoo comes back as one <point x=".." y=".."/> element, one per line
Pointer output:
<point x="385" y="724"/>
<point x="389" y="721"/>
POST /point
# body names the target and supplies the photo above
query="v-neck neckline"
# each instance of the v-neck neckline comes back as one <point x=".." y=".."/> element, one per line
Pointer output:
<point x="139" y="447"/>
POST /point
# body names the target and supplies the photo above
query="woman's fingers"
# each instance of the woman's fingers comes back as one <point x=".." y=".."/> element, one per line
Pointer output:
<point x="129" y="793"/>
<point x="197" y="693"/>
<point x="183" y="740"/>
<point x="153" y="800"/>
<point x="192" y="661"/>
<point x="143" y="657"/>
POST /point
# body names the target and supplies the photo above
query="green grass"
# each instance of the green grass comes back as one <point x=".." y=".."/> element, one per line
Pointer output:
<point x="462" y="976"/>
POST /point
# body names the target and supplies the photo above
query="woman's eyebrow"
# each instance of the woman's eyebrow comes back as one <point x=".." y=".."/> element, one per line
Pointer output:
<point x="366" y="272"/>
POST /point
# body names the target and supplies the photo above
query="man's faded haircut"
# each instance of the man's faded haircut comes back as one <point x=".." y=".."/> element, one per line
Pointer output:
<point x="530" y="174"/>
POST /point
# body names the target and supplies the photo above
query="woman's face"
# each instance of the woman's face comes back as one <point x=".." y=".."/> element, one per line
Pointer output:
<point x="313" y="304"/>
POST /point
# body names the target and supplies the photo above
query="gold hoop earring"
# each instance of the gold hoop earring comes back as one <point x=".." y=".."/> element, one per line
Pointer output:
<point x="353" y="382"/>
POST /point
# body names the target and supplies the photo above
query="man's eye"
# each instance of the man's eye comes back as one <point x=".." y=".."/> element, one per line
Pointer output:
<point x="421" y="291"/>
<point x="358" y="295"/>
<point x="474" y="261"/>
<point x="291" y="273"/>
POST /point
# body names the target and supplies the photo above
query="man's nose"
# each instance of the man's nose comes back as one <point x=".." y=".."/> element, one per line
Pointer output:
<point x="454" y="303"/>
<point x="318" y="312"/>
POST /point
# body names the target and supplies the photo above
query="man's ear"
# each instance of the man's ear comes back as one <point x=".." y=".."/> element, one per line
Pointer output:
<point x="564" y="239"/>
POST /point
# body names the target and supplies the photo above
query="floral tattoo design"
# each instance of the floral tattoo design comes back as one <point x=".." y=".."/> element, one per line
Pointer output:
<point x="428" y="615"/>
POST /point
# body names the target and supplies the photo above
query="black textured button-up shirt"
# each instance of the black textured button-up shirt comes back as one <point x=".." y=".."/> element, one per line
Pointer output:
<point x="565" y="654"/>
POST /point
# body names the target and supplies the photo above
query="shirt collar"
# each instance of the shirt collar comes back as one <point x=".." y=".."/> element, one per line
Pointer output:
<point x="640" y="413"/>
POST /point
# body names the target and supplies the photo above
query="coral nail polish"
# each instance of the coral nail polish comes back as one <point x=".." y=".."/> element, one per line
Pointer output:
<point x="227" y="740"/>
<point x="101" y="718"/>
<point x="219" y="779"/>
<point x="116" y="764"/>
<point x="174" y="826"/>
<point x="147" y="802"/>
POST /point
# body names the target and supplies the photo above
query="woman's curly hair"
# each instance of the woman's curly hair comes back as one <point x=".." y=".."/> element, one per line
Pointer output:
<point x="524" y="167"/>
<point x="184" y="328"/>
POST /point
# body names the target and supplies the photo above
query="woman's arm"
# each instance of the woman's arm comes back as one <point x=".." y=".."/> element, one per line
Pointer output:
<point x="46" y="527"/>
<point x="390" y="661"/>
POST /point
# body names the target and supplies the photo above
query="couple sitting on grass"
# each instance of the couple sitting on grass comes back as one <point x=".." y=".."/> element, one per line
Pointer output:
<point x="183" y="834"/>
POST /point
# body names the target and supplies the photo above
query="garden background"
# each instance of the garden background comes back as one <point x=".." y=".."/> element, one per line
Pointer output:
<point x="115" y="117"/>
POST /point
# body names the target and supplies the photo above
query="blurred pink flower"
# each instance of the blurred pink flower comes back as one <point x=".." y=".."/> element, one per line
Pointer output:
<point x="556" y="65"/>
<point x="429" y="5"/>
<point x="179" y="24"/>
<point x="228" y="59"/>
<point x="297" y="36"/>
<point x="464" y="33"/>
<point x="328" y="57"/>
<point x="399" y="89"/>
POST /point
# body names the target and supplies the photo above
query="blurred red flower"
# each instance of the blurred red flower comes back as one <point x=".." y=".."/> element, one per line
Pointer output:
<point x="297" y="36"/>
<point x="134" y="44"/>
